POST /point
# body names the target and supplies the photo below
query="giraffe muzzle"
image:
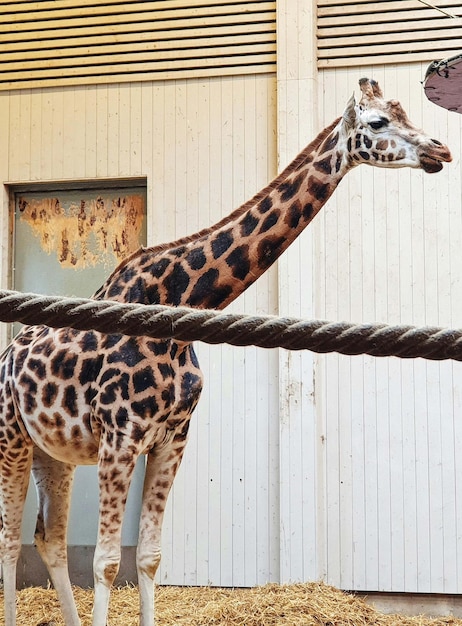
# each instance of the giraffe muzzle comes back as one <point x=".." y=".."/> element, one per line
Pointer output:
<point x="433" y="155"/>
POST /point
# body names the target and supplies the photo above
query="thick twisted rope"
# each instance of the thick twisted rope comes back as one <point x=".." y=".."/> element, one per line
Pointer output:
<point x="238" y="330"/>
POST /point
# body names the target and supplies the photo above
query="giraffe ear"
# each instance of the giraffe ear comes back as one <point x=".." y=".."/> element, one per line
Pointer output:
<point x="370" y="89"/>
<point x="376" y="89"/>
<point x="349" y="115"/>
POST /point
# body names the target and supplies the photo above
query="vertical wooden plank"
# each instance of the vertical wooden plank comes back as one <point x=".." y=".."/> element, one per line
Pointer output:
<point x="440" y="402"/>
<point x="231" y="428"/>
<point x="5" y="266"/>
<point x="320" y="368"/>
<point x="456" y="441"/>
<point x="392" y="575"/>
<point x="5" y="107"/>
<point x="35" y="134"/>
<point x="450" y="383"/>
<point x="267" y="418"/>
<point x="455" y="218"/>
<point x="70" y="140"/>
<point x="220" y="203"/>
<point x="396" y="577"/>
<point x="146" y="133"/>
<point x="146" y="148"/>
<point x="193" y="145"/>
<point x="113" y="128"/>
<point x="205" y="414"/>
<point x="296" y="126"/>
<point x="450" y="480"/>
<point x="181" y="163"/>
<point x="427" y="281"/>
<point x="168" y="201"/>
<point x="326" y="404"/>
<point x="380" y="504"/>
<point x="123" y="128"/>
<point x="252" y="441"/>
<point x="206" y="550"/>
<point x="238" y="356"/>
<point x="359" y="188"/>
<point x="400" y="303"/>
<point x="24" y="137"/>
<point x="217" y="205"/>
<point x="366" y="464"/>
<point x="203" y="153"/>
<point x="157" y="230"/>
<point x="173" y="194"/>
<point x="102" y="130"/>
<point x="14" y="132"/>
<point x="64" y="133"/>
<point x="411" y="233"/>
<point x="358" y="530"/>
<point x="370" y="548"/>
<point x="422" y="475"/>
<point x="213" y="207"/>
<point x="134" y="122"/>
<point x="343" y="271"/>
<point x="437" y="227"/>
<point x="436" y="483"/>
<point x="332" y="474"/>
<point x="383" y="475"/>
<point x="161" y="230"/>
<point x="191" y="150"/>
<point x="91" y="157"/>
<point x="410" y="492"/>
<point x="261" y="419"/>
<point x="79" y="144"/>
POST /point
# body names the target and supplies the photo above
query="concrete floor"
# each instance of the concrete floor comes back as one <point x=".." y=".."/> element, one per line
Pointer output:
<point x="431" y="605"/>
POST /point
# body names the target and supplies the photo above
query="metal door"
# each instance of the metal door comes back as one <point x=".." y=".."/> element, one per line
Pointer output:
<point x="66" y="242"/>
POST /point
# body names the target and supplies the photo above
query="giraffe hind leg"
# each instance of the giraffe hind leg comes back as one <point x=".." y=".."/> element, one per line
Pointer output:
<point x="15" y="467"/>
<point x="53" y="481"/>
<point x="161" y="467"/>
<point x="115" y="472"/>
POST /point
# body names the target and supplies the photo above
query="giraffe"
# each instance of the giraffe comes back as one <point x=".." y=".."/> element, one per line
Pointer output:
<point x="70" y="397"/>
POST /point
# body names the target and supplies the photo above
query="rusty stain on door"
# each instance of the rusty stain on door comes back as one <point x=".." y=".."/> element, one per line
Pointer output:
<point x="84" y="233"/>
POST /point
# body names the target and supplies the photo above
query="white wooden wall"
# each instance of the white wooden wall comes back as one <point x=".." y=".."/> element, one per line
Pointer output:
<point x="222" y="525"/>
<point x="388" y="249"/>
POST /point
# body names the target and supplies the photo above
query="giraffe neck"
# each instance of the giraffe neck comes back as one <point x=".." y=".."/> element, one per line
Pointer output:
<point x="213" y="267"/>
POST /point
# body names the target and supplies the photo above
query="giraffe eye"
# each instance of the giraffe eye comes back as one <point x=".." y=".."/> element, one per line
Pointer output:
<point x="378" y="124"/>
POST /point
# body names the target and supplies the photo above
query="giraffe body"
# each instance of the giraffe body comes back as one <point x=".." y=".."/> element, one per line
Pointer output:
<point x="71" y="397"/>
<point x="66" y="420"/>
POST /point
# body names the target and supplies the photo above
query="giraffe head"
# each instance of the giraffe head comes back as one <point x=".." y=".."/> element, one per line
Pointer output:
<point x="378" y="132"/>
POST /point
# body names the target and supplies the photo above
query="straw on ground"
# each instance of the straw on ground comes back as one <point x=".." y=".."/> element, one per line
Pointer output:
<point x="310" y="604"/>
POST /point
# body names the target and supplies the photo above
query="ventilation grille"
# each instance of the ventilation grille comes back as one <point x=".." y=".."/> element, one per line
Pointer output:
<point x="54" y="42"/>
<point x="358" y="32"/>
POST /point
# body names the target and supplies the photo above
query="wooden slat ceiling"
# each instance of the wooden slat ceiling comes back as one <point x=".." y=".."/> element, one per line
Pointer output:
<point x="359" y="32"/>
<point x="52" y="42"/>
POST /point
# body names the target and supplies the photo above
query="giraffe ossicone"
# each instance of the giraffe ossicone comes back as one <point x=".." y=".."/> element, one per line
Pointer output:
<point x="71" y="397"/>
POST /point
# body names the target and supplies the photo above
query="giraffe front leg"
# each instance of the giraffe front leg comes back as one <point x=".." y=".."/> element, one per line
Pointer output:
<point x="14" y="480"/>
<point x="115" y="471"/>
<point x="161" y="467"/>
<point x="53" y="481"/>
